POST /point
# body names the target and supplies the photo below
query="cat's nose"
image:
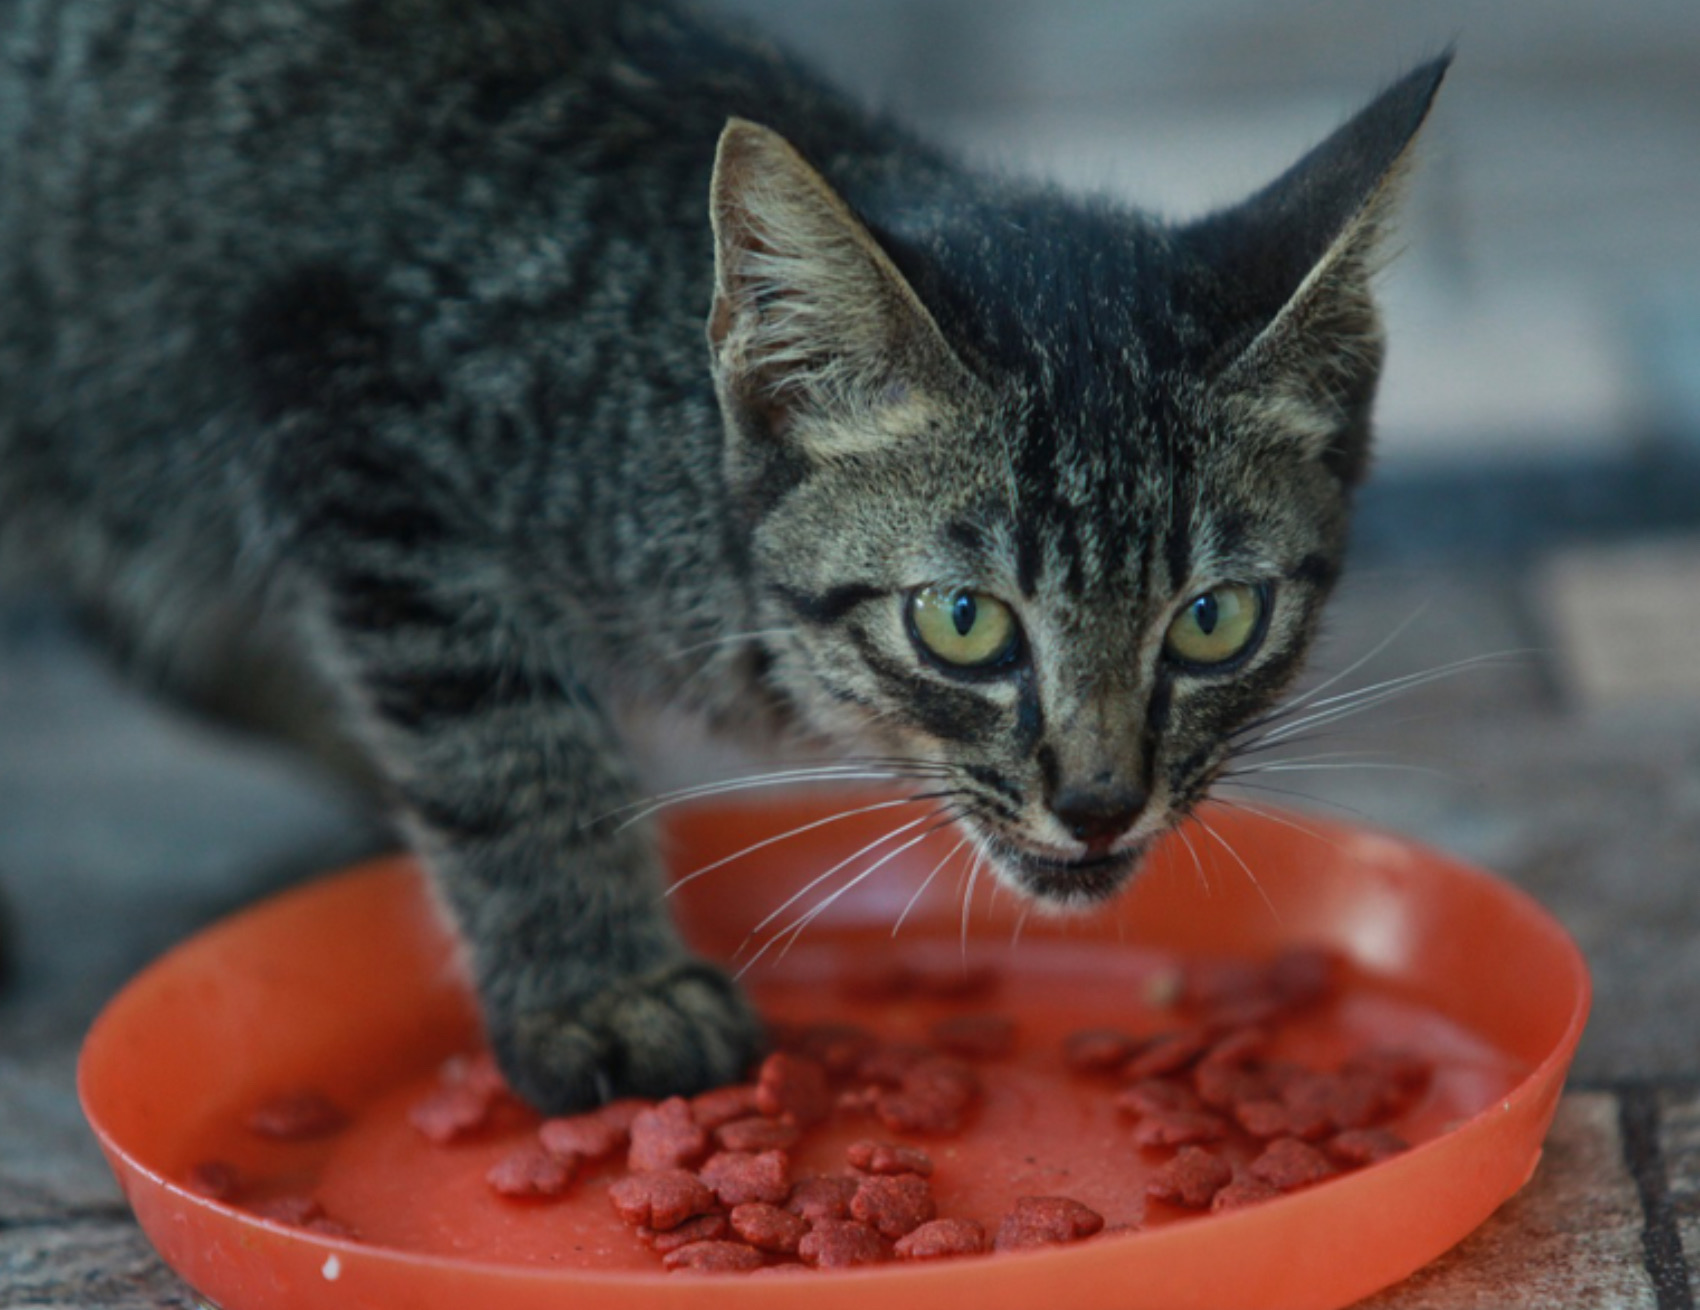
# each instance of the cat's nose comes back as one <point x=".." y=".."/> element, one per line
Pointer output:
<point x="1098" y="815"/>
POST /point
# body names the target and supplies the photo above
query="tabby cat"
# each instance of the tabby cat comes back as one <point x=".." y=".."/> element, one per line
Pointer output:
<point x="496" y="366"/>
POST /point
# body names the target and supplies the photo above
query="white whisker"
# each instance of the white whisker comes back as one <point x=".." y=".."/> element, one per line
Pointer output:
<point x="927" y="882"/>
<point x="1239" y="860"/>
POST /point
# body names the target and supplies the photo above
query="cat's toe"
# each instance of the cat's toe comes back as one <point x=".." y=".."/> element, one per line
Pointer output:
<point x="675" y="1031"/>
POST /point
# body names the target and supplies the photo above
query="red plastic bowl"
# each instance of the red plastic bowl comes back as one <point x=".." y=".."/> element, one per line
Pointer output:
<point x="350" y="985"/>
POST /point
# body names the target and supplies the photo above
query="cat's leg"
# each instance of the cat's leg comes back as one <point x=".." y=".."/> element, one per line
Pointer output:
<point x="516" y="790"/>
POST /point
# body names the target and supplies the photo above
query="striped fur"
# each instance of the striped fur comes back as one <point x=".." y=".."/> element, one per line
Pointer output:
<point x="421" y="349"/>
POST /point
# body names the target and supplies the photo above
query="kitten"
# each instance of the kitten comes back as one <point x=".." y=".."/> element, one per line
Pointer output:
<point x="495" y="367"/>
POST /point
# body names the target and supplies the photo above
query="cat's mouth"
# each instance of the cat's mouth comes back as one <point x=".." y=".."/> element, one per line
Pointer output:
<point x="1061" y="881"/>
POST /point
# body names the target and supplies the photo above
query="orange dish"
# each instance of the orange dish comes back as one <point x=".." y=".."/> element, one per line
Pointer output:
<point x="349" y="987"/>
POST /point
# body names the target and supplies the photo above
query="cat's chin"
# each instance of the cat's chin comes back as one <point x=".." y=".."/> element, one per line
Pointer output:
<point x="1060" y="883"/>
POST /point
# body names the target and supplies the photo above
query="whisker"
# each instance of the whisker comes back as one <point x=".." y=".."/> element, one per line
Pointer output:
<point x="1275" y="816"/>
<point x="968" y="898"/>
<point x="756" y="782"/>
<point x="1221" y="841"/>
<point x="798" y="831"/>
<point x="927" y="882"/>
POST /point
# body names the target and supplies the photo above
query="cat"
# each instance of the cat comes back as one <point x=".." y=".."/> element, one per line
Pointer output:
<point x="491" y="367"/>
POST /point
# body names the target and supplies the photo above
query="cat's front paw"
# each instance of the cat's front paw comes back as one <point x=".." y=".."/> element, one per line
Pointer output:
<point x="674" y="1031"/>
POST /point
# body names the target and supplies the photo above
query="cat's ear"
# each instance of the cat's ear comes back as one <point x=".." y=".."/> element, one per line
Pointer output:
<point x="814" y="331"/>
<point x="1292" y="269"/>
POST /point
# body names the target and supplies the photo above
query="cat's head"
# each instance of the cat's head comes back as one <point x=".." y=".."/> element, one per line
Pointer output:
<point x="1047" y="494"/>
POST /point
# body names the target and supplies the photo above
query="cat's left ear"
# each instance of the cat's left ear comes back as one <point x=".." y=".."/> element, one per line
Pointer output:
<point x="814" y="333"/>
<point x="1291" y="271"/>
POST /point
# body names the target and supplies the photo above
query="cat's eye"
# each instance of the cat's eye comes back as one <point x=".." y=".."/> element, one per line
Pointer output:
<point x="1217" y="627"/>
<point x="964" y="629"/>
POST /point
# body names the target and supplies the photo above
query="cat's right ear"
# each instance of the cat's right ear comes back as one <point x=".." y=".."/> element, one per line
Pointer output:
<point x="817" y="340"/>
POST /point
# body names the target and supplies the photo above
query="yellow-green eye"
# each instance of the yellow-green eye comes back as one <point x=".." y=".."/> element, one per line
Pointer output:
<point x="1216" y="627"/>
<point x="965" y="629"/>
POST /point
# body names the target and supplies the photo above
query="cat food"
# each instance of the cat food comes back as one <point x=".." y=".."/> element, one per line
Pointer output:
<point x="715" y="1258"/>
<point x="841" y="1244"/>
<point x="1045" y="1221"/>
<point x="893" y="1204"/>
<point x="940" y="1238"/>
<point x="666" y="1136"/>
<point x="769" y="1227"/>
<point x="297" y="1116"/>
<point x="708" y="1185"/>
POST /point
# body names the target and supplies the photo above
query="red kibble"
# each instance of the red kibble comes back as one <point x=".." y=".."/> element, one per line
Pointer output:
<point x="297" y="1116"/>
<point x="769" y="1228"/>
<point x="1045" y="1221"/>
<point x="910" y="1112"/>
<point x="1304" y="976"/>
<point x="1191" y="1179"/>
<point x="1245" y="1190"/>
<point x="893" y="1204"/>
<point x="298" y="1211"/>
<point x="1238" y="1048"/>
<point x="1180" y="1128"/>
<point x="842" y="1243"/>
<point x="585" y="1136"/>
<point x="724" y="1104"/>
<point x="737" y="1177"/>
<point x="1264" y="1118"/>
<point x="884" y="981"/>
<point x="1098" y="1050"/>
<point x="941" y="1238"/>
<point x="714" y="1258"/>
<point x="704" y="1228"/>
<point x="757" y="1134"/>
<point x="975" y="1036"/>
<point x="661" y="1200"/>
<point x="532" y="1173"/>
<point x="214" y="1179"/>
<point x="1157" y="1096"/>
<point x="1288" y="1163"/>
<point x="1357" y="1147"/>
<point x="1403" y="1074"/>
<point x="873" y="1157"/>
<point x="1221" y="1085"/>
<point x="1167" y="1053"/>
<point x="451" y="1111"/>
<point x="886" y="1065"/>
<point x="794" y="1088"/>
<point x="837" y="1048"/>
<point x="817" y="1199"/>
<point x="666" y="1137"/>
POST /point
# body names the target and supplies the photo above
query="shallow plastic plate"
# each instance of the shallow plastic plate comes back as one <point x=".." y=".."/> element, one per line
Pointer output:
<point x="350" y="985"/>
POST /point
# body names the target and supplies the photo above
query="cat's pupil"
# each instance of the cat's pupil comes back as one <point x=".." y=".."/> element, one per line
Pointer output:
<point x="963" y="612"/>
<point x="1206" y="613"/>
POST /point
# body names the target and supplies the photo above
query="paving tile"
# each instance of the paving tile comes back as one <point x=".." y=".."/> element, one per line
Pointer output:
<point x="86" y="1264"/>
<point x="1679" y="1143"/>
<point x="1571" y="1238"/>
<point x="1622" y="620"/>
<point x="50" y="1166"/>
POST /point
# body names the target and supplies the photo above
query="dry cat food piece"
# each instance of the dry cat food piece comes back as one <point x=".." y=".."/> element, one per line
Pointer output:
<point x="793" y="1088"/>
<point x="468" y="1089"/>
<point x="757" y="1134"/>
<point x="768" y="1227"/>
<point x="662" y="1200"/>
<point x="1180" y="1128"/>
<point x="1098" y="1050"/>
<point x="533" y="1173"/>
<point x="666" y="1136"/>
<point x="297" y="1116"/>
<point x="893" y="1204"/>
<point x="941" y="1238"/>
<point x="1287" y="1163"/>
<point x="721" y="1105"/>
<point x="1246" y="1189"/>
<point x="1045" y="1221"/>
<point x="704" y="1228"/>
<point x="714" y="1258"/>
<point x="934" y="1097"/>
<point x="1191" y="1179"/>
<point x="301" y="1212"/>
<point x="1158" y="1096"/>
<point x="216" y="1180"/>
<point x="737" y="1177"/>
<point x="837" y="1047"/>
<point x="842" y="1244"/>
<point x="593" y="1136"/>
<point x="817" y="1199"/>
<point x="887" y="1063"/>
<point x="1167" y="1053"/>
<point x="873" y="1157"/>
<point x="1357" y="1147"/>
<point x="975" y="1036"/>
